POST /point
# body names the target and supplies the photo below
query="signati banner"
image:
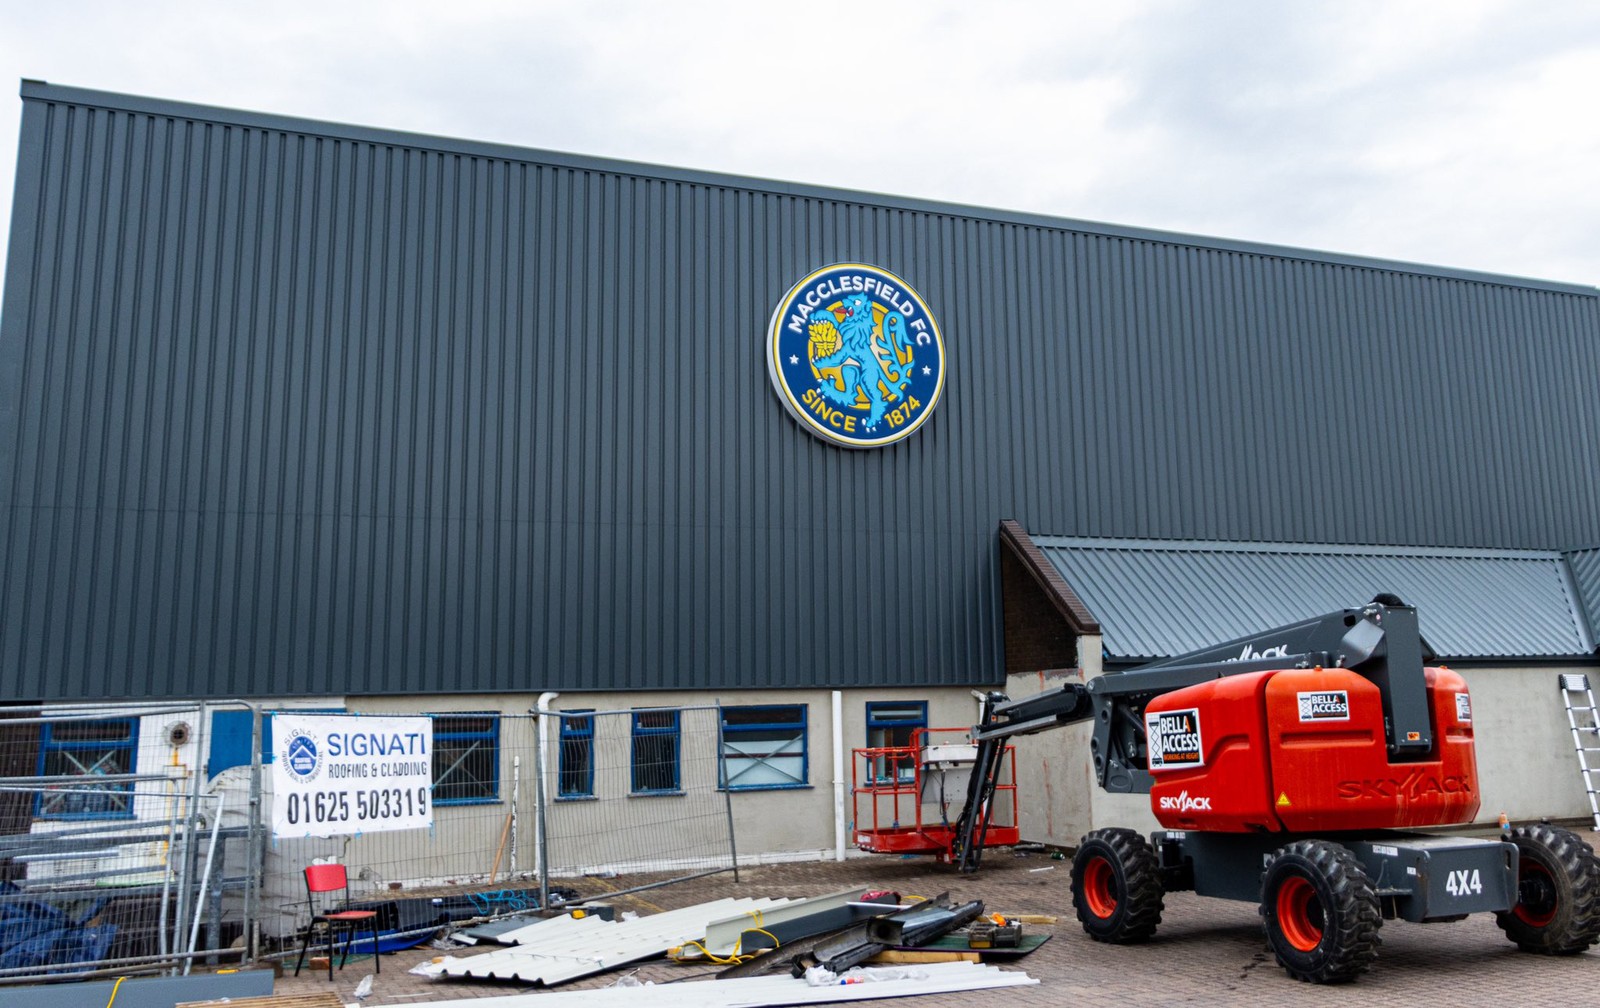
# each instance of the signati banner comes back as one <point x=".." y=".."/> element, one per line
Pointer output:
<point x="337" y="774"/>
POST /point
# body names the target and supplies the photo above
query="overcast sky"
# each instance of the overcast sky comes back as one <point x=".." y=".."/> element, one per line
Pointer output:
<point x="1458" y="133"/>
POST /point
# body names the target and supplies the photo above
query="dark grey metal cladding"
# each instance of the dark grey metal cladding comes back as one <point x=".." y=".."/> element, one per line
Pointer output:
<point x="292" y="408"/>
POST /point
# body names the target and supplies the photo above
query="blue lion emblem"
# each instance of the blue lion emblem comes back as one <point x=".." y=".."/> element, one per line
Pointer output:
<point x="871" y="360"/>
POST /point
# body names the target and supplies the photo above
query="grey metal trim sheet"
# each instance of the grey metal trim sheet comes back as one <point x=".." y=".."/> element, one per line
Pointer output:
<point x="1161" y="598"/>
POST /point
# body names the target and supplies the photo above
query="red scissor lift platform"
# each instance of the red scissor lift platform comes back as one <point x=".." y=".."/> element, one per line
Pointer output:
<point x="907" y="799"/>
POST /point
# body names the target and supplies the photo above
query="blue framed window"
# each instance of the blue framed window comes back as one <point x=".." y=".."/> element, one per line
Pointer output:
<point x="575" y="764"/>
<point x="656" y="741"/>
<point x="891" y="724"/>
<point x="87" y="749"/>
<point x="466" y="759"/>
<point x="763" y="747"/>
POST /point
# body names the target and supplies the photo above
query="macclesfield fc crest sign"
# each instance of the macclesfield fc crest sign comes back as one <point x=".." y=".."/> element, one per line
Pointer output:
<point x="856" y="355"/>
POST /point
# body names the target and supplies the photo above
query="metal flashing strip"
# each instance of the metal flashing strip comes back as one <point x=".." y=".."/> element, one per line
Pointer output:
<point x="725" y="937"/>
<point x="755" y="992"/>
<point x="559" y="949"/>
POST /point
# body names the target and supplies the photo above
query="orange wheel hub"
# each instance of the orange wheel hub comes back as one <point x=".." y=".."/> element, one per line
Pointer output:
<point x="1299" y="917"/>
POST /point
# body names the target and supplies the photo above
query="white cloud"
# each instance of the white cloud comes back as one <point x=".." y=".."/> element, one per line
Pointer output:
<point x="1452" y="133"/>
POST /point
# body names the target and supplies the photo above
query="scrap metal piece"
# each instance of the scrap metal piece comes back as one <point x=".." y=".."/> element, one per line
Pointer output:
<point x="913" y="926"/>
<point x="759" y="930"/>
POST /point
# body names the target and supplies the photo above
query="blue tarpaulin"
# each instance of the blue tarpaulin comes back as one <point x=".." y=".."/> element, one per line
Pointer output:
<point x="35" y="932"/>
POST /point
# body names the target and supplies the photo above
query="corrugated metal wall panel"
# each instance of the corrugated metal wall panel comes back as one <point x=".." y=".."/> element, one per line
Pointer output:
<point x="1157" y="599"/>
<point x="294" y="408"/>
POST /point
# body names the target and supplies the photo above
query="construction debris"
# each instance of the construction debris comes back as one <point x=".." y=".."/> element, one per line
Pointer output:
<point x="822" y="940"/>
<point x="958" y="942"/>
<point x="994" y="932"/>
<point x="922" y="956"/>
<point x="735" y="939"/>
<point x="560" y="949"/>
<point x="914" y="926"/>
<point x="753" y="992"/>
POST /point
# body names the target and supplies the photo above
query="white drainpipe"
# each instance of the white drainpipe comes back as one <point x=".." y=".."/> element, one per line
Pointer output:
<point x="838" y="775"/>
<point x="543" y="706"/>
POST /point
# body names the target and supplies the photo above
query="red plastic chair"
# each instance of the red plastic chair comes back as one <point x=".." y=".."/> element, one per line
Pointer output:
<point x="321" y="880"/>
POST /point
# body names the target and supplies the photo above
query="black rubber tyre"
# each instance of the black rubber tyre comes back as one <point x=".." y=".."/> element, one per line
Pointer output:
<point x="1558" y="893"/>
<point x="1321" y="913"/>
<point x="1116" y="886"/>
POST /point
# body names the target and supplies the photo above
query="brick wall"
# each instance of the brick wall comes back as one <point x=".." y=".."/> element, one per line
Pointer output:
<point x="1037" y="636"/>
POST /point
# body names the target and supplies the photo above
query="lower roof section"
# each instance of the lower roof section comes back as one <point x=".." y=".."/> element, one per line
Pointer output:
<point x="1158" y="598"/>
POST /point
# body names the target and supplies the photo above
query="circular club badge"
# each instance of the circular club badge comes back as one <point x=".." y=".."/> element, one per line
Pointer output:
<point x="856" y="355"/>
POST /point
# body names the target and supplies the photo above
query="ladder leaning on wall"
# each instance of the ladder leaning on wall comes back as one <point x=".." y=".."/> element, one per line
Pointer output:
<point x="1585" y="722"/>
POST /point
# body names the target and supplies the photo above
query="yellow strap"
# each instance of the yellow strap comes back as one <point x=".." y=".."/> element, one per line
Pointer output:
<point x="732" y="959"/>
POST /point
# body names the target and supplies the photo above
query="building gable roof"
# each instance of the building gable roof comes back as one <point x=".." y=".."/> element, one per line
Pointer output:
<point x="1157" y="598"/>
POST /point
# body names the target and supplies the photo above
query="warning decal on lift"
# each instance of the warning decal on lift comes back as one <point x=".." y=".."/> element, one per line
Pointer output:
<point x="1324" y="705"/>
<point x="1174" y="739"/>
<point x="1463" y="708"/>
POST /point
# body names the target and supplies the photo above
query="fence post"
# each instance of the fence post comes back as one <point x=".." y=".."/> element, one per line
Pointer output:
<point x="255" y="843"/>
<point x="727" y="795"/>
<point x="187" y="883"/>
<point x="541" y="850"/>
<point x="197" y="776"/>
<point x="516" y="795"/>
<point x="167" y="941"/>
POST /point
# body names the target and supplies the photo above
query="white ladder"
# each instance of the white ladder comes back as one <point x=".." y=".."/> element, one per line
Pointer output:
<point x="1585" y="722"/>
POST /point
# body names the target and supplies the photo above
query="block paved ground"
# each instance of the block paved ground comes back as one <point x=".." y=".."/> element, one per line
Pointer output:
<point x="1208" y="951"/>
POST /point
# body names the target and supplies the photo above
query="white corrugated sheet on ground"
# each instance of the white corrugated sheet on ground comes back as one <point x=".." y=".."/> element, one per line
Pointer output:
<point x="565" y="948"/>
<point x="757" y="992"/>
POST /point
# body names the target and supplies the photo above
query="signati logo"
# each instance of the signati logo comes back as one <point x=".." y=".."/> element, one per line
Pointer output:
<point x="856" y="356"/>
<point x="301" y="757"/>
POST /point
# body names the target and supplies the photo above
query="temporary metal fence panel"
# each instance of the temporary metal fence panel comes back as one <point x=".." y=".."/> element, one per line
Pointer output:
<point x="473" y="861"/>
<point x="113" y="854"/>
<point x="634" y="792"/>
<point x="139" y="836"/>
<point x="527" y="811"/>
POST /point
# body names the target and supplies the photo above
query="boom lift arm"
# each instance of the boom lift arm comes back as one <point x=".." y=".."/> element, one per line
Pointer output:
<point x="1379" y="641"/>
